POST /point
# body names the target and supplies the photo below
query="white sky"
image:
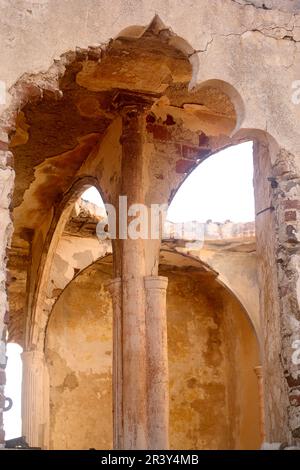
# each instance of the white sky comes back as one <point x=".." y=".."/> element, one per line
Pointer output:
<point x="220" y="189"/>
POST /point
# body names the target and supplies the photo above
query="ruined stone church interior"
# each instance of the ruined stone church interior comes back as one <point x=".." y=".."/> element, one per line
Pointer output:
<point x="180" y="336"/>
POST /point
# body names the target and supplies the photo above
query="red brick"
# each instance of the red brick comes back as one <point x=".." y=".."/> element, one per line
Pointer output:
<point x="292" y="382"/>
<point x="295" y="399"/>
<point x="3" y="145"/>
<point x="159" y="132"/>
<point x="190" y="152"/>
<point x="194" y="153"/>
<point x="204" y="153"/>
<point x="292" y="204"/>
<point x="203" y="139"/>
<point x="184" y="166"/>
<point x="290" y="216"/>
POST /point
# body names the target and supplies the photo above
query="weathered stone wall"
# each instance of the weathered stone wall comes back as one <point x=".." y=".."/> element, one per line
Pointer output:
<point x="286" y="200"/>
<point x="6" y="186"/>
<point x="247" y="27"/>
<point x="212" y="353"/>
<point x="79" y="356"/>
<point x="275" y="412"/>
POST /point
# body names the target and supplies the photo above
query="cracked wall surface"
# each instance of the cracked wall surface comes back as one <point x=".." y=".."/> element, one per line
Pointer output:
<point x="283" y="5"/>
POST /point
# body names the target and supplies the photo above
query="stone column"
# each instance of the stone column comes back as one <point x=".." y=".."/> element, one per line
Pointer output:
<point x="115" y="289"/>
<point x="35" y="399"/>
<point x="259" y="374"/>
<point x="144" y="361"/>
<point x="133" y="295"/>
<point x="157" y="362"/>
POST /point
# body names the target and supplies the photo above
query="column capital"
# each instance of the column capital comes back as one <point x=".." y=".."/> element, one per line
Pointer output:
<point x="124" y="102"/>
<point x="156" y="282"/>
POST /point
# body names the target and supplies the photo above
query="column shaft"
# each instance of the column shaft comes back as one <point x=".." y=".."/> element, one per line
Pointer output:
<point x="142" y="342"/>
<point x="115" y="289"/>
<point x="35" y="399"/>
<point x="259" y="374"/>
<point x="157" y="362"/>
<point x="133" y="295"/>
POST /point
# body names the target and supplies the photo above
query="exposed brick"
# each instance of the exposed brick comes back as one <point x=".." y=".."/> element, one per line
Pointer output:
<point x="184" y="166"/>
<point x="194" y="153"/>
<point x="292" y="382"/>
<point x="190" y="152"/>
<point x="295" y="399"/>
<point x="290" y="216"/>
<point x="203" y="139"/>
<point x="3" y="145"/>
<point x="159" y="132"/>
<point x="204" y="153"/>
<point x="292" y="204"/>
<point x="290" y="232"/>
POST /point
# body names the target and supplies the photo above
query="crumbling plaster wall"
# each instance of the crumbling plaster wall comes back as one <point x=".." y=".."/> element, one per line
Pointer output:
<point x="212" y="353"/>
<point x="79" y="356"/>
<point x="227" y="49"/>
